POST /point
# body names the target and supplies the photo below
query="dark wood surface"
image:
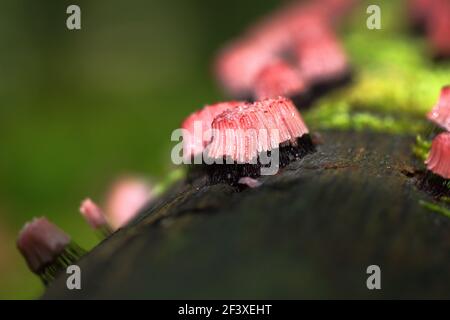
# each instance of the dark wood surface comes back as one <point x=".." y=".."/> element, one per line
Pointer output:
<point x="308" y="232"/>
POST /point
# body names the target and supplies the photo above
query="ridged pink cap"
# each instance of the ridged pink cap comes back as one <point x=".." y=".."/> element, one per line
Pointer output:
<point x="41" y="242"/>
<point x="278" y="79"/>
<point x="93" y="214"/>
<point x="241" y="133"/>
<point x="321" y="58"/>
<point x="438" y="161"/>
<point x="441" y="111"/>
<point x="195" y="142"/>
<point x="126" y="197"/>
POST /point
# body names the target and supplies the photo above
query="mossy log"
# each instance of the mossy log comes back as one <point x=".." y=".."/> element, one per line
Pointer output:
<point x="309" y="232"/>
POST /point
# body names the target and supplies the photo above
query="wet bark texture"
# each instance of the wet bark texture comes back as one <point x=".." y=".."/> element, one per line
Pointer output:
<point x="309" y="232"/>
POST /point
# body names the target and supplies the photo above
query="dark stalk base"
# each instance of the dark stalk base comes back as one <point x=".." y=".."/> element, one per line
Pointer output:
<point x="231" y="173"/>
<point x="433" y="184"/>
<point x="71" y="254"/>
<point x="306" y="100"/>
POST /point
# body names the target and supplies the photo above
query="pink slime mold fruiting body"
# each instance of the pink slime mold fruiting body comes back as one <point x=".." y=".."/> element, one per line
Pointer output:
<point x="278" y="79"/>
<point x="126" y="197"/>
<point x="247" y="138"/>
<point x="238" y="65"/>
<point x="440" y="114"/>
<point x="419" y="11"/>
<point x="46" y="248"/>
<point x="195" y="142"/>
<point x="438" y="28"/>
<point x="236" y="132"/>
<point x="321" y="59"/>
<point x="93" y="214"/>
<point x="438" y="161"/>
<point x="433" y="17"/>
<point x="41" y="242"/>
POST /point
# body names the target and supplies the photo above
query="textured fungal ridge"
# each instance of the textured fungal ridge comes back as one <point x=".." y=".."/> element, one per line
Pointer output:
<point x="441" y="111"/>
<point x="196" y="126"/>
<point x="438" y="161"/>
<point x="243" y="132"/>
<point x="265" y="134"/>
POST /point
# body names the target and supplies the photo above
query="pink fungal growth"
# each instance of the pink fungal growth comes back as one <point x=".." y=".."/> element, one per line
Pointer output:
<point x="433" y="17"/>
<point x="243" y="132"/>
<point x="276" y="33"/>
<point x="126" y="197"/>
<point x="419" y="10"/>
<point x="441" y="111"/>
<point x="47" y="249"/>
<point x="41" y="242"/>
<point x="438" y="28"/>
<point x="438" y="161"/>
<point x="308" y="23"/>
<point x="249" y="182"/>
<point x="93" y="214"/>
<point x="321" y="59"/>
<point x="270" y="35"/>
<point x="336" y="9"/>
<point x="194" y="141"/>
<point x="278" y="79"/>
<point x="297" y="18"/>
<point x="238" y="64"/>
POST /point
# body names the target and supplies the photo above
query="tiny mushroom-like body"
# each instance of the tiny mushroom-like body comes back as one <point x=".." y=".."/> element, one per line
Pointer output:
<point x="308" y="24"/>
<point x="243" y="132"/>
<point x="278" y="79"/>
<point x="441" y="111"/>
<point x="125" y="198"/>
<point x="321" y="59"/>
<point x="238" y="64"/>
<point x="93" y="214"/>
<point x="438" y="28"/>
<point x="438" y="160"/>
<point x="47" y="249"/>
<point x="41" y="242"/>
<point x="197" y="127"/>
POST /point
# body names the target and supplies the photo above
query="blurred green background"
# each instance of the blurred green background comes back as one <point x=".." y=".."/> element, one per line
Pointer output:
<point x="79" y="108"/>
